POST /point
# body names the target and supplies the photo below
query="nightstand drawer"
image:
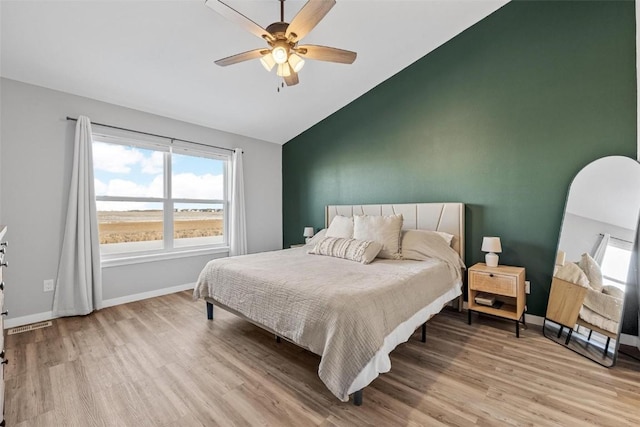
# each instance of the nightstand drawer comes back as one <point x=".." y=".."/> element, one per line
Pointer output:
<point x="493" y="283"/>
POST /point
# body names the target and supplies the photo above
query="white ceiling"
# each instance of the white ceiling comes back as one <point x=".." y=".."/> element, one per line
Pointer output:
<point x="157" y="56"/>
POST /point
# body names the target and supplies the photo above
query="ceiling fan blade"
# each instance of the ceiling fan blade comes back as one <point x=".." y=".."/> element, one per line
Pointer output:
<point x="292" y="79"/>
<point x="307" y="18"/>
<point x="240" y="57"/>
<point x="234" y="16"/>
<point x="324" y="53"/>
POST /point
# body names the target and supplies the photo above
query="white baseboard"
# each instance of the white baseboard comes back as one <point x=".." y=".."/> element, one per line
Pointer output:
<point x="27" y="320"/>
<point x="48" y="315"/>
<point x="624" y="338"/>
<point x="532" y="319"/>
<point x="631" y="340"/>
<point x="146" y="295"/>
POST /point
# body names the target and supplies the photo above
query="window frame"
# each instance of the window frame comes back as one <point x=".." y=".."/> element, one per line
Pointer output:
<point x="168" y="149"/>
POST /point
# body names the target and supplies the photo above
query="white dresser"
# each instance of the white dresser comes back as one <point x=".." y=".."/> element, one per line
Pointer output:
<point x="3" y="360"/>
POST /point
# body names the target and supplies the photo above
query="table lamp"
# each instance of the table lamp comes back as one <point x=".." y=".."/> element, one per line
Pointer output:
<point x="491" y="245"/>
<point x="308" y="234"/>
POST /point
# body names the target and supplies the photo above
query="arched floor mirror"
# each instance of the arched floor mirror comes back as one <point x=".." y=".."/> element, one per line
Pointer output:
<point x="594" y="264"/>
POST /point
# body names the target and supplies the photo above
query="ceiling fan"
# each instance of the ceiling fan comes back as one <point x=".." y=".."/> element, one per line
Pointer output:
<point x="282" y="39"/>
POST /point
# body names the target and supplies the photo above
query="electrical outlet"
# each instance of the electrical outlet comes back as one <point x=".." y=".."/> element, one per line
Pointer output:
<point x="48" y="285"/>
<point x="527" y="287"/>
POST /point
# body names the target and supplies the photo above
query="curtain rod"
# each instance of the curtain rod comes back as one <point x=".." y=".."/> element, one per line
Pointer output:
<point x="616" y="238"/>
<point x="153" y="134"/>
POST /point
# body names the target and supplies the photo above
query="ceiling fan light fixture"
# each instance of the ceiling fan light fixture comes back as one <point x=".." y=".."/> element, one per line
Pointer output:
<point x="267" y="61"/>
<point x="280" y="53"/>
<point x="283" y="70"/>
<point x="296" y="62"/>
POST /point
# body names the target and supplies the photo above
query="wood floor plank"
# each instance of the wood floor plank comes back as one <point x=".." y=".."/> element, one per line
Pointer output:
<point x="159" y="362"/>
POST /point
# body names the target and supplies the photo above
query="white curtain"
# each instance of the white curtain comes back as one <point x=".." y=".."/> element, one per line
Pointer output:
<point x="237" y="215"/>
<point x="78" y="288"/>
<point x="598" y="256"/>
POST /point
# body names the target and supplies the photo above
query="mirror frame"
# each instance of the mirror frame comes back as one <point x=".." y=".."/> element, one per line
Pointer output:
<point x="558" y="292"/>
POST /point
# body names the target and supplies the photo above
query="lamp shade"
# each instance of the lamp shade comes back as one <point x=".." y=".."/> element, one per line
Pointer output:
<point x="296" y="62"/>
<point x="308" y="232"/>
<point x="267" y="61"/>
<point x="491" y="244"/>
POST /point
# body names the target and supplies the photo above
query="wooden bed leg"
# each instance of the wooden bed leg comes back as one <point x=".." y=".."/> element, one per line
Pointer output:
<point x="278" y="340"/>
<point x="357" y="398"/>
<point x="209" y="311"/>
<point x="424" y="332"/>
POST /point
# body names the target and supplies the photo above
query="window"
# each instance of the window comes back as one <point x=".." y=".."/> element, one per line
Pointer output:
<point x="154" y="198"/>
<point x="616" y="262"/>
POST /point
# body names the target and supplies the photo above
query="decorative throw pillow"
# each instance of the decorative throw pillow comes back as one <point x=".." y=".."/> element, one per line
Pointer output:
<point x="341" y="226"/>
<point x="382" y="229"/>
<point x="592" y="270"/>
<point x="571" y="273"/>
<point x="354" y="250"/>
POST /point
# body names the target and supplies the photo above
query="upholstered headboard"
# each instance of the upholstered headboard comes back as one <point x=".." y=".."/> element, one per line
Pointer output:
<point x="447" y="217"/>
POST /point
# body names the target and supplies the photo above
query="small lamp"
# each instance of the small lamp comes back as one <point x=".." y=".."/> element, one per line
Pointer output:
<point x="491" y="245"/>
<point x="308" y="234"/>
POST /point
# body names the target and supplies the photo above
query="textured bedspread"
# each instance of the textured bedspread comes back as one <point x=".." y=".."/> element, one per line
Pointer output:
<point x="338" y="309"/>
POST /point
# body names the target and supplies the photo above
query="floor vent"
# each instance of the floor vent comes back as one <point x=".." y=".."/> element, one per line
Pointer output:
<point x="27" y="328"/>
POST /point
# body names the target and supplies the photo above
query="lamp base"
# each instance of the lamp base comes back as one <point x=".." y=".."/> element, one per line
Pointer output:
<point x="491" y="259"/>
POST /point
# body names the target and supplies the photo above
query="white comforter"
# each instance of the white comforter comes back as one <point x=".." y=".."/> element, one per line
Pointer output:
<point x="350" y="314"/>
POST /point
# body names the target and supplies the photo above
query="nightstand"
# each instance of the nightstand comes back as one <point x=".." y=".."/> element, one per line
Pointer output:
<point x="503" y="284"/>
<point x="297" y="245"/>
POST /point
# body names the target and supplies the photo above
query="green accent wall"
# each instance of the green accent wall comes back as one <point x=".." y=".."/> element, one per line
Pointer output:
<point x="501" y="118"/>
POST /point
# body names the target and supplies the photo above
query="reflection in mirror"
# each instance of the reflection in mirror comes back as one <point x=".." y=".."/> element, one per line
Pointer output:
<point x="593" y="262"/>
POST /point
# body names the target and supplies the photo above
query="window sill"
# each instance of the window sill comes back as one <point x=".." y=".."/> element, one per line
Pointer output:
<point x="120" y="260"/>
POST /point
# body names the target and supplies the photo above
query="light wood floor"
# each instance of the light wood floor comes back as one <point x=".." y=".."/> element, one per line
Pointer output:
<point x="159" y="362"/>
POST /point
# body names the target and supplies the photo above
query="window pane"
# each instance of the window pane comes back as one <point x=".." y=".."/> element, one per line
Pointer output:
<point x="127" y="171"/>
<point x="197" y="224"/>
<point x="197" y="177"/>
<point x="129" y="226"/>
<point x="615" y="266"/>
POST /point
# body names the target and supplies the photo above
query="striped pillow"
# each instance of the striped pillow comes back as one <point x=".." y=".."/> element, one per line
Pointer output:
<point x="363" y="251"/>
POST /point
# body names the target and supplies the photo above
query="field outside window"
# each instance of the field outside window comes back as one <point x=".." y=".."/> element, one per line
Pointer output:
<point x="154" y="198"/>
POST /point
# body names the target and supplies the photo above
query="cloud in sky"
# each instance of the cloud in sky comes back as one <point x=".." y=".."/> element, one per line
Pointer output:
<point x="123" y="171"/>
<point x="115" y="158"/>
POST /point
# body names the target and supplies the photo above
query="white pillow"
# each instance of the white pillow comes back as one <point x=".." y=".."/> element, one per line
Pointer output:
<point x="382" y="229"/>
<point x="341" y="226"/>
<point x="420" y="245"/>
<point x="317" y="237"/>
<point x="592" y="270"/>
<point x="446" y="236"/>
<point x="362" y="251"/>
<point x="571" y="273"/>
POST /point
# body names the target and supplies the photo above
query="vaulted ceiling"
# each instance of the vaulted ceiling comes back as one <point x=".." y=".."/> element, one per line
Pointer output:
<point x="157" y="56"/>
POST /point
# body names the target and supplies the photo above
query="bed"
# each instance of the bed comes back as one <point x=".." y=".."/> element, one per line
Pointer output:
<point x="351" y="314"/>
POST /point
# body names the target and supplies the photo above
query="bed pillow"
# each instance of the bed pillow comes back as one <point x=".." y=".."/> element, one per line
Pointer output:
<point x="592" y="270"/>
<point x="317" y="237"/>
<point x="446" y="236"/>
<point x="420" y="245"/>
<point x="570" y="272"/>
<point x="341" y="226"/>
<point x="362" y="251"/>
<point x="382" y="229"/>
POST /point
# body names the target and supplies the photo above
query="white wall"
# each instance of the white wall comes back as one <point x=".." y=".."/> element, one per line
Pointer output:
<point x="580" y="235"/>
<point x="37" y="150"/>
